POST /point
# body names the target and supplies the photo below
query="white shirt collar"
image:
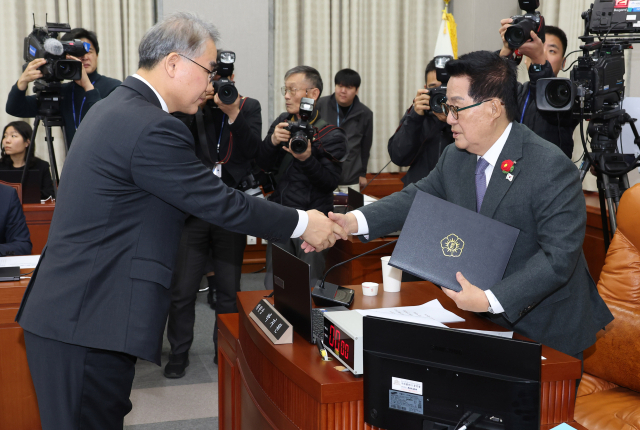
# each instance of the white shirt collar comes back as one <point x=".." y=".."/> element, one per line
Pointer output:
<point x="162" y="102"/>
<point x="491" y="156"/>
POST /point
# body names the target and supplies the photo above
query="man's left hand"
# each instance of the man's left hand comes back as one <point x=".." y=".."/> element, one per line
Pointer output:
<point x="231" y="110"/>
<point x="302" y="156"/>
<point x="471" y="298"/>
<point x="84" y="81"/>
<point x="534" y="49"/>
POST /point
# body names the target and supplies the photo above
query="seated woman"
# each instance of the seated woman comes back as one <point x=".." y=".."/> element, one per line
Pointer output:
<point x="14" y="234"/>
<point x="16" y="137"/>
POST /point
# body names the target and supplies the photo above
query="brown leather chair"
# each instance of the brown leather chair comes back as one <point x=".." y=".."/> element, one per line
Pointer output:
<point x="609" y="394"/>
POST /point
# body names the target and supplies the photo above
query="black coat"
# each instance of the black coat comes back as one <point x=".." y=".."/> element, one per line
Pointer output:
<point x="104" y="276"/>
<point x="307" y="184"/>
<point x="418" y="143"/>
<point x="46" y="184"/>
<point x="555" y="127"/>
<point x="14" y="234"/>
<point x="23" y="106"/>
<point x="239" y="142"/>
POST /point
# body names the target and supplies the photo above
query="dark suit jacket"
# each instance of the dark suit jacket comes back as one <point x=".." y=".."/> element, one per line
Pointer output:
<point x="14" y="234"/>
<point x="103" y="279"/>
<point x="547" y="292"/>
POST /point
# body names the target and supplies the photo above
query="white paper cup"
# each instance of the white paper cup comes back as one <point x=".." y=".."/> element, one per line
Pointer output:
<point x="391" y="276"/>
<point x="370" y="288"/>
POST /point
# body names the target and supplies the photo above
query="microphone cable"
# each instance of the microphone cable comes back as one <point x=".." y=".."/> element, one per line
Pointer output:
<point x="385" y="166"/>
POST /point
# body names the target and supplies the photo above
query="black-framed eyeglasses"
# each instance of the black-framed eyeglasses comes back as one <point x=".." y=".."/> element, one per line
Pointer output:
<point x="455" y="109"/>
<point x="211" y="73"/>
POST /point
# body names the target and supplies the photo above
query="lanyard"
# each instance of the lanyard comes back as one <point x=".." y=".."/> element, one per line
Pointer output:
<point x="338" y="109"/>
<point x="220" y="136"/>
<point x="525" y="105"/>
<point x="73" y="105"/>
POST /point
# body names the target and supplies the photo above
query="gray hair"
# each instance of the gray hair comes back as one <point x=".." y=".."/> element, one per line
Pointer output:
<point x="310" y="74"/>
<point x="180" y="32"/>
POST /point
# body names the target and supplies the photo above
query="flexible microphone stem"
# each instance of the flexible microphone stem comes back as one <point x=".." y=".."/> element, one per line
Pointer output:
<point x="353" y="258"/>
<point x="385" y="166"/>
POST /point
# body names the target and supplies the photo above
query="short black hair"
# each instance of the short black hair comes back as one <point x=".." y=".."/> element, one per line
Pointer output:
<point x="310" y="74"/>
<point x="81" y="33"/>
<point x="24" y="129"/>
<point x="557" y="32"/>
<point x="490" y="76"/>
<point x="348" y="78"/>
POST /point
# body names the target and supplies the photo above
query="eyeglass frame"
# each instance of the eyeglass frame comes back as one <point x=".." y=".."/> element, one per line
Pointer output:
<point x="450" y="108"/>
<point x="284" y="89"/>
<point x="212" y="73"/>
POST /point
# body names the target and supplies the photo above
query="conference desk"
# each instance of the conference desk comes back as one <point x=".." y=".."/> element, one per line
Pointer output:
<point x="267" y="386"/>
<point x="18" y="405"/>
<point x="38" y="217"/>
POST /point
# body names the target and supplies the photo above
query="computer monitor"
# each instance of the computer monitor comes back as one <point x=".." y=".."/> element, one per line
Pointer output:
<point x="422" y="377"/>
<point x="31" y="187"/>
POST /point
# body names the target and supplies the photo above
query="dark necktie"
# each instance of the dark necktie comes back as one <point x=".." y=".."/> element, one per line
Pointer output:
<point x="481" y="182"/>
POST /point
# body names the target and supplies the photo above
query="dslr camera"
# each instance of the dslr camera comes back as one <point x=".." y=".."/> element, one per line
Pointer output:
<point x="520" y="30"/>
<point x="438" y="95"/>
<point x="43" y="43"/>
<point x="224" y="87"/>
<point x="301" y="131"/>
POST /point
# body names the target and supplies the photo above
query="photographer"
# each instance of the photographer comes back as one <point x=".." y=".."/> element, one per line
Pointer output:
<point x="304" y="180"/>
<point x="544" y="60"/>
<point x="77" y="96"/>
<point x="422" y="134"/>
<point x="344" y="109"/>
<point x="227" y="137"/>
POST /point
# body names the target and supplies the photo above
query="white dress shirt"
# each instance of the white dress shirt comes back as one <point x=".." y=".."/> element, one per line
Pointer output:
<point x="491" y="156"/>
<point x="303" y="217"/>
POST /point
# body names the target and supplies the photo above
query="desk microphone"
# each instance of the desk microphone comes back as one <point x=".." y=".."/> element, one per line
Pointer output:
<point x="385" y="166"/>
<point x="326" y="294"/>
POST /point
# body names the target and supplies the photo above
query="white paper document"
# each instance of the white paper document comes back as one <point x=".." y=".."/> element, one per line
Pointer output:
<point x="507" y="334"/>
<point x="431" y="313"/>
<point x="24" y="261"/>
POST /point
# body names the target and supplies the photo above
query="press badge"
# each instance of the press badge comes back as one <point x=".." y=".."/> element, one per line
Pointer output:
<point x="218" y="170"/>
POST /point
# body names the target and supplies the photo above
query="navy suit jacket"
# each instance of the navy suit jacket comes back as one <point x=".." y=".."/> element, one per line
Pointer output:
<point x="128" y="182"/>
<point x="14" y="234"/>
<point x="546" y="292"/>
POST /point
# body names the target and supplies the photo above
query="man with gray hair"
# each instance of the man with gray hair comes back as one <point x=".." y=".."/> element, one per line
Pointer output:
<point x="306" y="180"/>
<point x="100" y="295"/>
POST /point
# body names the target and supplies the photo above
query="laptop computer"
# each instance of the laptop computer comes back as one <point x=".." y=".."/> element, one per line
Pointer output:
<point x="292" y="295"/>
<point x="440" y="238"/>
<point x="31" y="186"/>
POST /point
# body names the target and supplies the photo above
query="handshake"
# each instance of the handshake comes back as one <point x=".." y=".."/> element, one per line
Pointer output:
<point x="322" y="232"/>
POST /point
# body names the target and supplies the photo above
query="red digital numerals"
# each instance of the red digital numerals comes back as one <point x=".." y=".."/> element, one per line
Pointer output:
<point x="339" y="345"/>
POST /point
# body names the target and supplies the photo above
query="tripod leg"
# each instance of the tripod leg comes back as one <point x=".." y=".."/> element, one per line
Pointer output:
<point x="52" y="158"/>
<point x="611" y="204"/>
<point x="603" y="213"/>
<point x="27" y="157"/>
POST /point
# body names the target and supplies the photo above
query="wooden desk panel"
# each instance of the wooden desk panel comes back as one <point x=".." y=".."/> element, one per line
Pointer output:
<point x="364" y="269"/>
<point x="277" y="386"/>
<point x="38" y="218"/>
<point x="18" y="404"/>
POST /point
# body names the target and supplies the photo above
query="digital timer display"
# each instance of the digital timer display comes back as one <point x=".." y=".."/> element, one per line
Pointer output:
<point x="339" y="342"/>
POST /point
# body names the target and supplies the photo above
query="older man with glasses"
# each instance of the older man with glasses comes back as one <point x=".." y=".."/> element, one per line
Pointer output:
<point x="504" y="171"/>
<point x="304" y="180"/>
<point x="100" y="295"/>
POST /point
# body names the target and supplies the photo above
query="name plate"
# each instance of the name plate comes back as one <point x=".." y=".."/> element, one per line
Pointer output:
<point x="274" y="325"/>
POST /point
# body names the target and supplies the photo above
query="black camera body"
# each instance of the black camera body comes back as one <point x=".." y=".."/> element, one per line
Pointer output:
<point x="43" y="43"/>
<point x="225" y="87"/>
<point x="520" y="30"/>
<point x="438" y="95"/>
<point x="302" y="131"/>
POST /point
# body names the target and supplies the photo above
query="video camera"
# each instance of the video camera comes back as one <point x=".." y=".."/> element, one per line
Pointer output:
<point x="438" y="95"/>
<point x="226" y="89"/>
<point x="43" y="43"/>
<point x="301" y="131"/>
<point x="520" y="30"/>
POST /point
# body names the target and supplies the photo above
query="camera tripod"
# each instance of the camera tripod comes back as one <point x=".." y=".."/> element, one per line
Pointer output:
<point x="48" y="101"/>
<point x="611" y="167"/>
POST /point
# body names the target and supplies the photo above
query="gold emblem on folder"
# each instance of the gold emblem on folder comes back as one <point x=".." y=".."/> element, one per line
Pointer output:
<point x="452" y="246"/>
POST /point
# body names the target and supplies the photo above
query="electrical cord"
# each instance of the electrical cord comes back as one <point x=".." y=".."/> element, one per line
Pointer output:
<point x="471" y="421"/>
<point x="385" y="166"/>
<point x="462" y="418"/>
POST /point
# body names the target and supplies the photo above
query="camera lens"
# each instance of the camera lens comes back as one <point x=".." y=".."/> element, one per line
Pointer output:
<point x="435" y="102"/>
<point x="227" y="92"/>
<point x="67" y="70"/>
<point x="514" y="36"/>
<point x="298" y="142"/>
<point x="558" y="94"/>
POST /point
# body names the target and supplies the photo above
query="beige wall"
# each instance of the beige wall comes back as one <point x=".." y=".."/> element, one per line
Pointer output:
<point x="478" y="23"/>
<point x="244" y="29"/>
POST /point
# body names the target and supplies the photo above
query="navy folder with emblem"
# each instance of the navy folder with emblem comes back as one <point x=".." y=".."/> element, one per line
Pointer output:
<point x="440" y="238"/>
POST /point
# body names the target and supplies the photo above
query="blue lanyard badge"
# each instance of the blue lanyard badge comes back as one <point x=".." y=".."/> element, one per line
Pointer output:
<point x="73" y="105"/>
<point x="338" y="112"/>
<point x="525" y="105"/>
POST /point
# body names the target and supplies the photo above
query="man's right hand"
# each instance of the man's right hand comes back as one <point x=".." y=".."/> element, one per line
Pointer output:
<point x="348" y="223"/>
<point x="31" y="73"/>
<point x="280" y="134"/>
<point x="321" y="233"/>
<point x="421" y="102"/>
